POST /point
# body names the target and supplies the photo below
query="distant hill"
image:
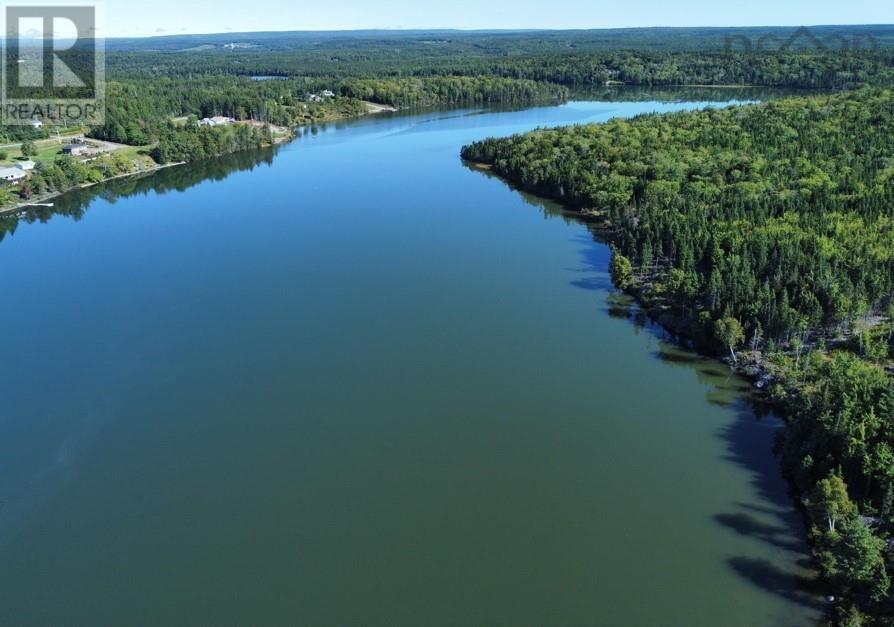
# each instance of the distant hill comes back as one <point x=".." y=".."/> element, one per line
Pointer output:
<point x="500" y="42"/>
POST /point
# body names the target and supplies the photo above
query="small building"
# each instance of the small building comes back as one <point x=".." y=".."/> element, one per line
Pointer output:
<point x="25" y="165"/>
<point x="217" y="120"/>
<point x="327" y="94"/>
<point x="76" y="150"/>
<point x="37" y="123"/>
<point x="11" y="175"/>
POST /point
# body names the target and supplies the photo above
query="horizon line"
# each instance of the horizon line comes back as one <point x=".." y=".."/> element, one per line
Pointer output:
<point x="436" y="29"/>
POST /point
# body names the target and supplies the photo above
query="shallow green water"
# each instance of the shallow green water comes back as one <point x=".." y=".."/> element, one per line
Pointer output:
<point x="358" y="383"/>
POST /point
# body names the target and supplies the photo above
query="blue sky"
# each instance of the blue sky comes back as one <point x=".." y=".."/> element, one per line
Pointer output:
<point x="157" y="17"/>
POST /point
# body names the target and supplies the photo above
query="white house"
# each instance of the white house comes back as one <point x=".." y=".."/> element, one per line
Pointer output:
<point x="25" y="165"/>
<point x="327" y="94"/>
<point x="37" y="123"/>
<point x="11" y="175"/>
<point x="217" y="120"/>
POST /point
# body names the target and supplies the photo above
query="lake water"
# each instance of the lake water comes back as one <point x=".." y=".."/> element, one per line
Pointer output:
<point x="354" y="382"/>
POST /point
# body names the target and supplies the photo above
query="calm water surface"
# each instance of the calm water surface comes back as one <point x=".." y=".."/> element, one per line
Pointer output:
<point x="359" y="383"/>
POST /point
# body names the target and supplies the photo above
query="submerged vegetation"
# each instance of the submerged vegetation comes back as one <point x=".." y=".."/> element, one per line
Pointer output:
<point x="766" y="229"/>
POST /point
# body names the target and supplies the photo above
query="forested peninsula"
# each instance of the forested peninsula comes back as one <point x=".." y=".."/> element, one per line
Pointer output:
<point x="765" y="231"/>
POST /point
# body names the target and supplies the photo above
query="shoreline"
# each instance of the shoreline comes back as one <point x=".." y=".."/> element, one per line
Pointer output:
<point x="749" y="364"/>
<point x="371" y="109"/>
<point x="657" y="312"/>
<point x="15" y="210"/>
<point x="42" y="200"/>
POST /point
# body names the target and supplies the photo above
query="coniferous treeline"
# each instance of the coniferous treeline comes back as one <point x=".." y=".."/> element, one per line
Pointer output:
<point x="440" y="42"/>
<point x="797" y="68"/>
<point x="769" y="227"/>
<point x="191" y="142"/>
<point x="448" y="90"/>
<point x="779" y="214"/>
<point x="140" y="112"/>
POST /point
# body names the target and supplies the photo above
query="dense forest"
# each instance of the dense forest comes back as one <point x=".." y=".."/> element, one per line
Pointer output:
<point x="446" y="90"/>
<point x="143" y="112"/>
<point x="140" y="112"/>
<point x="427" y="43"/>
<point x="780" y="68"/>
<point x="405" y="53"/>
<point x="769" y="228"/>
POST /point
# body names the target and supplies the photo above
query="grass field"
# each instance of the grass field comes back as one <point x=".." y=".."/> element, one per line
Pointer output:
<point x="47" y="149"/>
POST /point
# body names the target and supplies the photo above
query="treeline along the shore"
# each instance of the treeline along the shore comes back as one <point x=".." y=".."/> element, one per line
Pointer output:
<point x="769" y="228"/>
<point x="149" y="90"/>
<point x="75" y="204"/>
<point x="150" y="87"/>
<point x="139" y="110"/>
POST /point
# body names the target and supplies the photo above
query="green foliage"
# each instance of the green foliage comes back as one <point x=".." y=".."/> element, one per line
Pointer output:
<point x="29" y="148"/>
<point x="829" y="502"/>
<point x="139" y="112"/>
<point x="729" y="331"/>
<point x="621" y="270"/>
<point x="201" y="142"/>
<point x="859" y="558"/>
<point x="649" y="57"/>
<point x="424" y="92"/>
<point x="840" y="418"/>
<point x="781" y="212"/>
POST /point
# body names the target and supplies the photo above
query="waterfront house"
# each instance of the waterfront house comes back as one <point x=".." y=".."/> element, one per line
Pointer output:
<point x="11" y="175"/>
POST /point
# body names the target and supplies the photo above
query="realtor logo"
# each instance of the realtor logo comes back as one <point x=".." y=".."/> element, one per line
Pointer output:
<point x="53" y="66"/>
